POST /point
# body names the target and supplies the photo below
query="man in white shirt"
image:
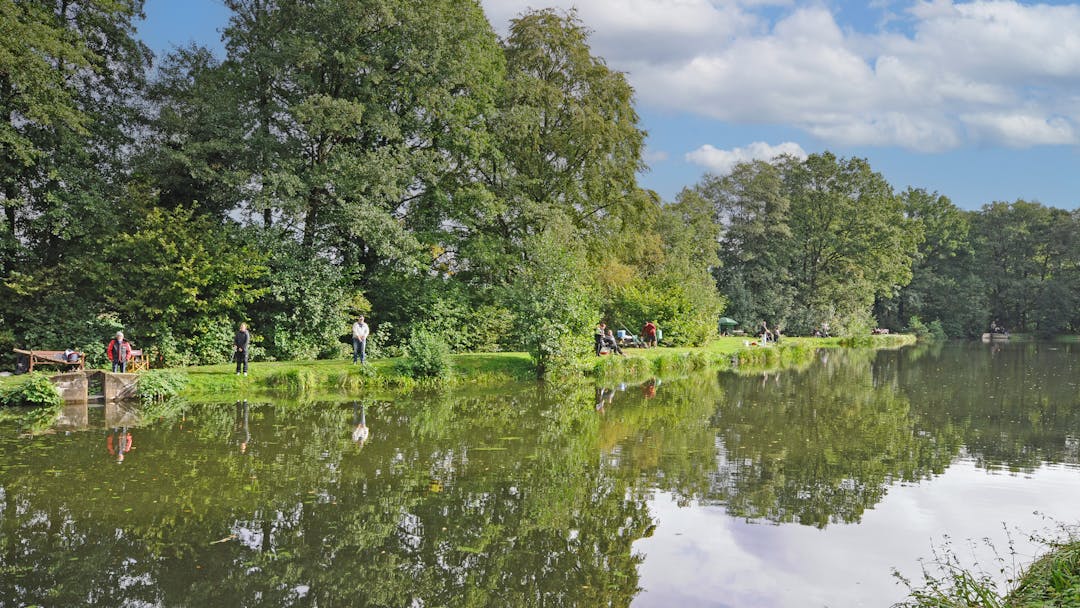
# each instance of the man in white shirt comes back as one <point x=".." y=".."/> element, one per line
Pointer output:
<point x="360" y="333"/>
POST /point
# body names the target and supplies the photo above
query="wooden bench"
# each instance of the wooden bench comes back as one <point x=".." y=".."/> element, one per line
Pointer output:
<point x="138" y="362"/>
<point x="36" y="358"/>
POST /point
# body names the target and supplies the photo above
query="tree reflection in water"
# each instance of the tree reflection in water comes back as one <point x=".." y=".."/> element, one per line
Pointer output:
<point x="511" y="497"/>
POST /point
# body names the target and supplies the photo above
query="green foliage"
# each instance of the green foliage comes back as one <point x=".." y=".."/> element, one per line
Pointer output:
<point x="1053" y="580"/>
<point x="810" y="242"/>
<point x="52" y="310"/>
<point x="567" y="133"/>
<point x="428" y="355"/>
<point x="923" y="332"/>
<point x="685" y="306"/>
<point x="552" y="322"/>
<point x="1029" y="259"/>
<point x="305" y="303"/>
<point x="756" y="245"/>
<point x="183" y="276"/>
<point x="35" y="390"/>
<point x="297" y="381"/>
<point x="160" y="384"/>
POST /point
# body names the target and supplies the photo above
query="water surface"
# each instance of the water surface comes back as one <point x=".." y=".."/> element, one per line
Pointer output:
<point x="803" y="488"/>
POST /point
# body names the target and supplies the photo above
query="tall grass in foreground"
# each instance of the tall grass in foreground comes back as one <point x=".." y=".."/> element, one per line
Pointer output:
<point x="1053" y="580"/>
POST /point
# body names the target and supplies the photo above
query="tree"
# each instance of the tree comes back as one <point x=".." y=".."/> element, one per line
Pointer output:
<point x="756" y="243"/>
<point x="1028" y="258"/>
<point x="181" y="281"/>
<point x="552" y="323"/>
<point x="852" y="240"/>
<point x="71" y="78"/>
<point x="566" y="146"/>
<point x="945" y="286"/>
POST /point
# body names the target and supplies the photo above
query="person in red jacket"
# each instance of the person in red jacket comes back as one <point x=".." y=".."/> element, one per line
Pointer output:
<point x="119" y="352"/>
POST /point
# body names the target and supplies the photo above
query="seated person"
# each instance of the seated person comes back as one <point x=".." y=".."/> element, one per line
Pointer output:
<point x="612" y="344"/>
<point x="598" y="337"/>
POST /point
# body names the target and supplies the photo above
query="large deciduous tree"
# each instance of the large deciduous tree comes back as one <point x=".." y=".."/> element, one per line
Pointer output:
<point x="945" y="284"/>
<point x="852" y="240"/>
<point x="71" y="73"/>
<point x="1028" y="257"/>
<point x="808" y="242"/>
<point x="356" y="119"/>
<point x="71" y="79"/>
<point x="756" y="246"/>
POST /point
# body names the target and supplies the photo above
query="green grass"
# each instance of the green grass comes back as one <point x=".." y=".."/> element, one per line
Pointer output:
<point x="1053" y="580"/>
<point x="723" y="353"/>
<point x="220" y="382"/>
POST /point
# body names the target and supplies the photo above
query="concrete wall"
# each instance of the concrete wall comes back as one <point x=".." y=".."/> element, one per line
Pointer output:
<point x="72" y="386"/>
<point x="120" y="386"/>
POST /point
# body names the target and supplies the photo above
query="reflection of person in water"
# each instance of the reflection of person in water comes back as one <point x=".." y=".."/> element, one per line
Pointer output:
<point x="119" y="443"/>
<point x="244" y="417"/>
<point x="604" y="397"/>
<point x="648" y="390"/>
<point x="360" y="429"/>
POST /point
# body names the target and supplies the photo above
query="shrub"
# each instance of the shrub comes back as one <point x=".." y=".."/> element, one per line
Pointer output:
<point x="36" y="390"/>
<point x="294" y="380"/>
<point x="428" y="355"/>
<point x="158" y="384"/>
<point x="923" y="332"/>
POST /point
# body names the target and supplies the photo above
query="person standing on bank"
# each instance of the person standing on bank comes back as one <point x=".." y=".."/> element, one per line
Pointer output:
<point x="241" y="342"/>
<point x="360" y="331"/>
<point x="119" y="352"/>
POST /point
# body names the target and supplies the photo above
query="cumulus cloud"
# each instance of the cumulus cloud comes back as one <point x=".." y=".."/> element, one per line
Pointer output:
<point x="722" y="161"/>
<point x="934" y="75"/>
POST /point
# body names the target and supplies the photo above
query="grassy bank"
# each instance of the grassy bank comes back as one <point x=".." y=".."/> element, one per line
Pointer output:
<point x="486" y="369"/>
<point x="297" y="377"/>
<point x="1052" y="580"/>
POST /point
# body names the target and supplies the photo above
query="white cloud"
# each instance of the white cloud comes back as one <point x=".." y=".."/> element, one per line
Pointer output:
<point x="940" y="75"/>
<point x="722" y="161"/>
<point x="1021" y="129"/>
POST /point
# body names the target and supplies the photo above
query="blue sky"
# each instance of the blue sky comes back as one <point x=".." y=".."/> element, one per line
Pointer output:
<point x="977" y="100"/>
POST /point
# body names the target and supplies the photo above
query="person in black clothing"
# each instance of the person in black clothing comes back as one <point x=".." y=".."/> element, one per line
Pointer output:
<point x="241" y="342"/>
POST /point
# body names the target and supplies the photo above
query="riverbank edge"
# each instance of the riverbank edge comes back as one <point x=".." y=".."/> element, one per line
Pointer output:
<point x="218" y="382"/>
<point x="1051" y="580"/>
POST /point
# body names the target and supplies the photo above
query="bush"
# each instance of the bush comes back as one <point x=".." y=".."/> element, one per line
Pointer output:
<point x="36" y="390"/>
<point x="683" y="302"/>
<point x="158" y="384"/>
<point x="552" y="304"/>
<point x="305" y="303"/>
<point x="428" y="355"/>
<point x="932" y="332"/>
<point x="378" y="342"/>
<point x="294" y="380"/>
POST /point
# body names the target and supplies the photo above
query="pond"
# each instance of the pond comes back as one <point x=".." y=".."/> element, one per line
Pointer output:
<point x="799" y="488"/>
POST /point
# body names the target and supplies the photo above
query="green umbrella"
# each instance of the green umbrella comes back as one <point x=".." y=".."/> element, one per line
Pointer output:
<point x="728" y="321"/>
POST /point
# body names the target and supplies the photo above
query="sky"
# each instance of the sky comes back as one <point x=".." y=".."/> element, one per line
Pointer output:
<point x="976" y="100"/>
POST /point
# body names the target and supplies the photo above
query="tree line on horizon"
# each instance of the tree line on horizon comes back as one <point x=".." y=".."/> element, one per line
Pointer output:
<point x="397" y="158"/>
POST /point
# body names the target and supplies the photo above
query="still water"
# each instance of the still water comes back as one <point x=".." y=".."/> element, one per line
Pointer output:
<point x="803" y="488"/>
